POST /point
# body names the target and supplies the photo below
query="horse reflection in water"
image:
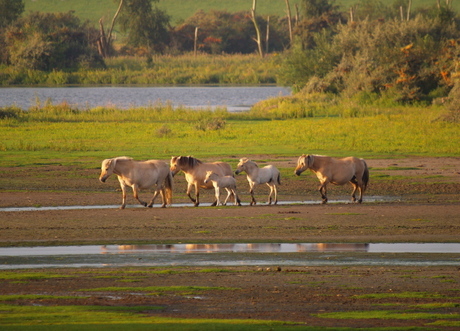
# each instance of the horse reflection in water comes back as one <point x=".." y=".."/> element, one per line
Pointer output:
<point x="329" y="247"/>
<point x="242" y="248"/>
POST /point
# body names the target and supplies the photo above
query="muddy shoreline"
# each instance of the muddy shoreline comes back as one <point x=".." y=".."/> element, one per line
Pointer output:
<point x="425" y="208"/>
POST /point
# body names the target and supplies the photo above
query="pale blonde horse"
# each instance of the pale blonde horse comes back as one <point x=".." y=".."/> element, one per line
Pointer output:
<point x="226" y="182"/>
<point x="195" y="173"/>
<point x="269" y="175"/>
<point x="140" y="175"/>
<point x="336" y="171"/>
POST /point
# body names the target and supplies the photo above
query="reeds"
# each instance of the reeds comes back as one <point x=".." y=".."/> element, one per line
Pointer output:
<point x="161" y="70"/>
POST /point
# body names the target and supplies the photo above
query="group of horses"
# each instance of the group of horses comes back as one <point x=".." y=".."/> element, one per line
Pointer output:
<point x="156" y="174"/>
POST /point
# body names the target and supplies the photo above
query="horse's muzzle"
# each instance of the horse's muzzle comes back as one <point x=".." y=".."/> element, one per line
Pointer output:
<point x="237" y="172"/>
<point x="297" y="172"/>
<point x="103" y="179"/>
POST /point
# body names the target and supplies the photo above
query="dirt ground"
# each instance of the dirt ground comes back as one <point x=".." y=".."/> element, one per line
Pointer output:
<point x="408" y="200"/>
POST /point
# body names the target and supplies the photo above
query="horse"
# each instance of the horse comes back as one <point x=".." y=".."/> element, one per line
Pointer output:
<point x="195" y="173"/>
<point x="227" y="182"/>
<point x="336" y="171"/>
<point x="140" y="175"/>
<point x="269" y="175"/>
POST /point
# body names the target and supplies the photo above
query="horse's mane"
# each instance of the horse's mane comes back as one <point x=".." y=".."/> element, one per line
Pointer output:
<point x="189" y="160"/>
<point x="123" y="158"/>
<point x="246" y="160"/>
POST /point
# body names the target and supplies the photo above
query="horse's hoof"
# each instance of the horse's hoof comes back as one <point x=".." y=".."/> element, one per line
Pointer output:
<point x="150" y="206"/>
<point x="196" y="204"/>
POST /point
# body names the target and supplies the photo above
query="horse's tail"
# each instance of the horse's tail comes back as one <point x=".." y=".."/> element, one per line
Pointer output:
<point x="365" y="176"/>
<point x="278" y="178"/>
<point x="168" y="186"/>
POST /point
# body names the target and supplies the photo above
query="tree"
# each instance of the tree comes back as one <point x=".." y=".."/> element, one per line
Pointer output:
<point x="10" y="10"/>
<point x="146" y="26"/>
<point x="47" y="41"/>
<point x="316" y="8"/>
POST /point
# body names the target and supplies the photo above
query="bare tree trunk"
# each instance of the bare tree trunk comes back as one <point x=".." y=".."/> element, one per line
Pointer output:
<point x="258" y="38"/>
<point x="288" y="12"/>
<point x="297" y="14"/>
<point x="408" y="10"/>
<point x="105" y="41"/>
<point x="401" y="12"/>
<point x="267" y="35"/>
<point x="195" y="41"/>
<point x="352" y="14"/>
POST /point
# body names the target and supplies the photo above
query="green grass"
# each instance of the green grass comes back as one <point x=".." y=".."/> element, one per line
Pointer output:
<point x="159" y="289"/>
<point x="59" y="135"/>
<point x="180" y="9"/>
<point x="388" y="314"/>
<point x="116" y="318"/>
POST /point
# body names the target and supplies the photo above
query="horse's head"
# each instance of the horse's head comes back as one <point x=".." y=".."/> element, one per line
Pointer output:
<point x="106" y="169"/>
<point x="241" y="165"/>
<point x="174" y="165"/>
<point x="183" y="163"/>
<point x="303" y="163"/>
<point x="208" y="176"/>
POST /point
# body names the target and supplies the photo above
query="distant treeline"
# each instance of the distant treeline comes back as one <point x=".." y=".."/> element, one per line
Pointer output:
<point x="374" y="49"/>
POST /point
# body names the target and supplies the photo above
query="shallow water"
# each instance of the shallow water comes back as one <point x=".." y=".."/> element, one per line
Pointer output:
<point x="309" y="202"/>
<point x="234" y="98"/>
<point x="231" y="254"/>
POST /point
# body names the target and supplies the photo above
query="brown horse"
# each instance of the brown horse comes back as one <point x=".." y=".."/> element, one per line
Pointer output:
<point x="195" y="173"/>
<point x="336" y="171"/>
<point x="140" y="175"/>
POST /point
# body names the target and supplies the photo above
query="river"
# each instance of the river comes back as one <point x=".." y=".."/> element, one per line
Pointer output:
<point x="234" y="98"/>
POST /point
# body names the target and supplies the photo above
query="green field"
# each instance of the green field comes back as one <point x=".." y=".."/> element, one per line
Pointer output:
<point x="58" y="134"/>
<point x="181" y="9"/>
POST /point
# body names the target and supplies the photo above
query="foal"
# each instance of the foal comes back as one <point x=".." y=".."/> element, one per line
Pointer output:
<point x="227" y="182"/>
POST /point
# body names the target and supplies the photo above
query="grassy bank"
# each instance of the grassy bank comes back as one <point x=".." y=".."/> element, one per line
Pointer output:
<point x="57" y="133"/>
<point x="161" y="70"/>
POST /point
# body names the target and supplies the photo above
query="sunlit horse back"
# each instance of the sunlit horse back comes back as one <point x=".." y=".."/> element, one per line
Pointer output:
<point x="140" y="175"/>
<point x="336" y="171"/>
<point x="195" y="173"/>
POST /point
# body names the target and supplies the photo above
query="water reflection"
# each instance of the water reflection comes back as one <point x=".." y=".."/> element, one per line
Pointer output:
<point x="234" y="98"/>
<point x="235" y="248"/>
<point x="231" y="254"/>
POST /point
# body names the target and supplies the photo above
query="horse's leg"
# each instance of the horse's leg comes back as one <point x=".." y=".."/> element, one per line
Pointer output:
<point x="197" y="195"/>
<point x="275" y="191"/>
<point x="270" y="194"/>
<point x="237" y="199"/>
<point x="323" y="191"/>
<point x="163" y="197"/>
<point x="155" y="194"/>
<point x="217" y="202"/>
<point x="354" y="182"/>
<point x="251" y="190"/>
<point x="189" y="191"/>
<point x="229" y="193"/>
<point x="136" y="195"/>
<point x="123" y="193"/>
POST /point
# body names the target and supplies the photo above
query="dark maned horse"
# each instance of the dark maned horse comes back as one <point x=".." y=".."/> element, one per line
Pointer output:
<point x="336" y="171"/>
<point x="195" y="173"/>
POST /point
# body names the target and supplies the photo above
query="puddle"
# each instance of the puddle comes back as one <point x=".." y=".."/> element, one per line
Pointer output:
<point x="309" y="202"/>
<point x="250" y="254"/>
